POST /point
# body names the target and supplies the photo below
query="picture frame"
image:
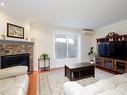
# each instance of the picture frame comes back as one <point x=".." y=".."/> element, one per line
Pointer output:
<point x="15" y="31"/>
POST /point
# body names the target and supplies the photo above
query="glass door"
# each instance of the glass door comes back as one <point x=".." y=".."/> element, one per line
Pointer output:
<point x="66" y="48"/>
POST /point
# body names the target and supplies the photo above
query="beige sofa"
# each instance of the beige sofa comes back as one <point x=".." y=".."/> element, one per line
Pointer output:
<point x="116" y="85"/>
<point x="14" y="81"/>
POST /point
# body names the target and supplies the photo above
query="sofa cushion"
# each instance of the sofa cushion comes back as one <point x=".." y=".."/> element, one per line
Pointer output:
<point x="116" y="85"/>
<point x="6" y="84"/>
<point x="13" y="91"/>
<point x="71" y="88"/>
<point x="13" y="71"/>
<point x="20" y="81"/>
<point x="124" y="75"/>
<point x="123" y="88"/>
<point x="112" y="92"/>
<point x="99" y="87"/>
<point x="117" y="80"/>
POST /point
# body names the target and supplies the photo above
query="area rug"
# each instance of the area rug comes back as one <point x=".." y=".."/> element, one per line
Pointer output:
<point x="51" y="83"/>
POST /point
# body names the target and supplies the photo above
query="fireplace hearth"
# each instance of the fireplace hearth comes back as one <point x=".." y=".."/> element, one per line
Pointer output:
<point x="15" y="60"/>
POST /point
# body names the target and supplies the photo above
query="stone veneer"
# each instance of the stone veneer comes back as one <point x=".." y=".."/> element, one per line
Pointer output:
<point x="10" y="48"/>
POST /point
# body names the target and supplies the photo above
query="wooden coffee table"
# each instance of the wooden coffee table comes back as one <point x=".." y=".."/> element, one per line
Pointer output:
<point x="79" y="71"/>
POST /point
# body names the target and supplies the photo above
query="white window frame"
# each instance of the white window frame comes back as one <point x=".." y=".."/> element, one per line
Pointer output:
<point x="68" y="34"/>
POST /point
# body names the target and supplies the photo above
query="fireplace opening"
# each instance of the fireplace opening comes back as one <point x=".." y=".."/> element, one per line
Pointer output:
<point x="15" y="60"/>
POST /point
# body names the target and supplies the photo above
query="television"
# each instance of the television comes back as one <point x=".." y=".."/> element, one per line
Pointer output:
<point x="102" y="49"/>
<point x="121" y="50"/>
<point x="111" y="50"/>
<point x="116" y="50"/>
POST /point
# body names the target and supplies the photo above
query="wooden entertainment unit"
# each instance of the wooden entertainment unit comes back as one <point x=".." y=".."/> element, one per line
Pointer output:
<point x="116" y="65"/>
<point x="113" y="64"/>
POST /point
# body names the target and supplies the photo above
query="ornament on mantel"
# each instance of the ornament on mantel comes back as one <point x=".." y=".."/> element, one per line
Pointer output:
<point x="3" y="36"/>
<point x="32" y="39"/>
<point x="26" y="38"/>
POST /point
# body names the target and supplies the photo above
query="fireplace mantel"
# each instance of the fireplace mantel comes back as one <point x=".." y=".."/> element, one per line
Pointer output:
<point x="3" y="41"/>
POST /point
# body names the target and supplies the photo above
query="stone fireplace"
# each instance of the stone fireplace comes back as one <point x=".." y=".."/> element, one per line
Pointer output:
<point x="13" y="53"/>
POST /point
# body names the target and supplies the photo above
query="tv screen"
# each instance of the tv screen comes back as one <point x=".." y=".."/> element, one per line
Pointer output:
<point x="102" y="49"/>
<point x="116" y="50"/>
<point x="111" y="50"/>
<point x="121" y="50"/>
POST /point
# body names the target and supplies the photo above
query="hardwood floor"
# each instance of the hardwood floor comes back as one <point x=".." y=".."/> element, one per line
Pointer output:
<point x="32" y="90"/>
<point x="32" y="83"/>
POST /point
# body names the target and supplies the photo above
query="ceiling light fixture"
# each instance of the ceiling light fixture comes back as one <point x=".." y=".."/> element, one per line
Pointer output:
<point x="2" y="4"/>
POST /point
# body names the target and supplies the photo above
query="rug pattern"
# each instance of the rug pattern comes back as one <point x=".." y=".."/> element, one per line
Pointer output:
<point x="50" y="83"/>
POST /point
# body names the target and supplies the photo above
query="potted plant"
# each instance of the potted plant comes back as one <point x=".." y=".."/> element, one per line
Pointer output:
<point x="91" y="54"/>
<point x="44" y="56"/>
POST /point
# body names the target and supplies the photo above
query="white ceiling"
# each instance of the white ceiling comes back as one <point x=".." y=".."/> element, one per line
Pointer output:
<point x="69" y="13"/>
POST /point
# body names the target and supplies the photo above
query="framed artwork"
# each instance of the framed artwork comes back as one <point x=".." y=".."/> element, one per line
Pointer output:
<point x="15" y="31"/>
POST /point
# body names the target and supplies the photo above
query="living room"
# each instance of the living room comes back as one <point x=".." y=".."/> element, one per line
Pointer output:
<point x="63" y="47"/>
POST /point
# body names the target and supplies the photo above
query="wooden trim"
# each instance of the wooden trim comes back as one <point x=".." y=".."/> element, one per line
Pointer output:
<point x="106" y="70"/>
<point x="125" y="67"/>
<point x="112" y="38"/>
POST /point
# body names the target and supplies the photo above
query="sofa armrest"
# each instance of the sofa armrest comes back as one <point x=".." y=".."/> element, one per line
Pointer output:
<point x="13" y="71"/>
<point x="72" y="88"/>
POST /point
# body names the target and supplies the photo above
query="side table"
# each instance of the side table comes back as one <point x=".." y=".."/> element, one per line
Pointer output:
<point x="44" y="64"/>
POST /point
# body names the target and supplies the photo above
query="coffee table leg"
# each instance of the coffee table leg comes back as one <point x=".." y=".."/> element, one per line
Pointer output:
<point x="65" y="71"/>
<point x="93" y="75"/>
<point x="68" y="73"/>
<point x="71" y="76"/>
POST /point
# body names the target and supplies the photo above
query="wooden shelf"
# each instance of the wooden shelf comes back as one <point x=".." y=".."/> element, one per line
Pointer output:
<point x="112" y="39"/>
<point x="114" y="63"/>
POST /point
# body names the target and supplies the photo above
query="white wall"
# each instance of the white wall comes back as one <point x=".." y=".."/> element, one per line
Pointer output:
<point x="44" y="38"/>
<point x="4" y="19"/>
<point x="44" y="43"/>
<point x="120" y="28"/>
<point x="87" y="41"/>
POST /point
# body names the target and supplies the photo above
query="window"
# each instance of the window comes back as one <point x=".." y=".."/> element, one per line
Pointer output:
<point x="60" y="47"/>
<point x="66" y="46"/>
